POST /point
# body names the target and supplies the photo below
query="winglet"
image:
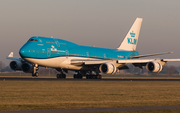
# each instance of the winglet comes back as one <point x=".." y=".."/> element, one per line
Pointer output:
<point x="130" y="41"/>
<point x="11" y="54"/>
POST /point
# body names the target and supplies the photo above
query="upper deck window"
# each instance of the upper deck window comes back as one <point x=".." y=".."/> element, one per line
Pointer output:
<point x="33" y="40"/>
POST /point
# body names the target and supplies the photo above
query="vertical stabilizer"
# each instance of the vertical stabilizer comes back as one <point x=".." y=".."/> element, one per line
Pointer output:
<point x="130" y="41"/>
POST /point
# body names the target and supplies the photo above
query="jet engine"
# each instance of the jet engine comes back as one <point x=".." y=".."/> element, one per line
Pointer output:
<point x="154" y="67"/>
<point x="107" y="68"/>
<point x="27" y="68"/>
<point x="16" y="65"/>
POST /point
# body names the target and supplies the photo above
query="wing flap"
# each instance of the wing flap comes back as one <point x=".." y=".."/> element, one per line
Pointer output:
<point x="88" y="62"/>
<point x="134" y="61"/>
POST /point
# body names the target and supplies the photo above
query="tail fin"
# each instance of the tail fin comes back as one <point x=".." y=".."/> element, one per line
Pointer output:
<point x="130" y="41"/>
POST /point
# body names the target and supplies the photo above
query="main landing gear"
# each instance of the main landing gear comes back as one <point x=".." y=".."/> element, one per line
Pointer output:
<point x="61" y="75"/>
<point x="35" y="73"/>
<point x="93" y="76"/>
<point x="88" y="75"/>
<point x="78" y="76"/>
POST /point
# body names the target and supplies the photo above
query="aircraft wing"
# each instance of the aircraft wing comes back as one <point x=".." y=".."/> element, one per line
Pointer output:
<point x="147" y="55"/>
<point x="10" y="56"/>
<point x="118" y="61"/>
<point x="167" y="60"/>
<point x="95" y="62"/>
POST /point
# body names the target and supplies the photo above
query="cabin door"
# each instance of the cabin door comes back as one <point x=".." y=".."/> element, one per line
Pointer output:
<point x="48" y="52"/>
<point x="57" y="43"/>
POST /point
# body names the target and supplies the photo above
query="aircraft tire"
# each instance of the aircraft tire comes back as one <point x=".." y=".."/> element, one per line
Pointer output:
<point x="57" y="76"/>
<point x="90" y="76"/>
<point x="63" y="76"/>
<point x="75" y="76"/>
<point x="33" y="75"/>
<point x="36" y="74"/>
<point x="99" y="76"/>
<point x="80" y="76"/>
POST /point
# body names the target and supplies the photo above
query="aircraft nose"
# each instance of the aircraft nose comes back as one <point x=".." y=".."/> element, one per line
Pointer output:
<point x="23" y="52"/>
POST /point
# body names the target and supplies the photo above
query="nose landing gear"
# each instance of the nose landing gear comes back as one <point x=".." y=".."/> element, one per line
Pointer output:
<point x="35" y="73"/>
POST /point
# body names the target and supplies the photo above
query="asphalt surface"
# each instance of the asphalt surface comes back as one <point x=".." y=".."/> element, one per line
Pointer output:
<point x="71" y="79"/>
<point x="89" y="110"/>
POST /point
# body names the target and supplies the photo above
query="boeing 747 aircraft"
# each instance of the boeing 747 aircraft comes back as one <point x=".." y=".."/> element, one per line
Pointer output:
<point x="86" y="61"/>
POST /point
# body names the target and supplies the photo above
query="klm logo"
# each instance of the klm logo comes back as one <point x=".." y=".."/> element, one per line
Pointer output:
<point x="132" y="40"/>
<point x="132" y="34"/>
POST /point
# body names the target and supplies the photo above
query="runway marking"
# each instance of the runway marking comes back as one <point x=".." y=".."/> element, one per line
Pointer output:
<point x="88" y="110"/>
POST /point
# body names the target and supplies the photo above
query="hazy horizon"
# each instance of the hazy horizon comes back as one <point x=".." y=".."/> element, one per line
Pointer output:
<point x="102" y="23"/>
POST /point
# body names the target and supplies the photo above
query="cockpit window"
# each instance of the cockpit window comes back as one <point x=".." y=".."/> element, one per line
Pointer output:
<point x="33" y="40"/>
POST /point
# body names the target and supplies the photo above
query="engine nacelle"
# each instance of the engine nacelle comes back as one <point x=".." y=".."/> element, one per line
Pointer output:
<point x="107" y="68"/>
<point x="154" y="67"/>
<point x="16" y="65"/>
<point x="27" y="68"/>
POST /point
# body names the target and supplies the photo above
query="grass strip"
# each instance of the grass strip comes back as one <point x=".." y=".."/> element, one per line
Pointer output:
<point x="28" y="95"/>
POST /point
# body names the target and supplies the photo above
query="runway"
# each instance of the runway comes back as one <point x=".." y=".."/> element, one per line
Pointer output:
<point x="71" y="79"/>
<point x="89" y="110"/>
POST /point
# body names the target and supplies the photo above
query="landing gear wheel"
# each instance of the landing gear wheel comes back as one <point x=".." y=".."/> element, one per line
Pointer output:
<point x="94" y="76"/>
<point x="89" y="76"/>
<point x="36" y="74"/>
<point x="99" y="76"/>
<point x="61" y="76"/>
<point x="75" y="76"/>
<point x="57" y="76"/>
<point x="78" y="76"/>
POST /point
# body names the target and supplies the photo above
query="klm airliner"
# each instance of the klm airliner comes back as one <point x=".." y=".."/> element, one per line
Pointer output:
<point x="87" y="61"/>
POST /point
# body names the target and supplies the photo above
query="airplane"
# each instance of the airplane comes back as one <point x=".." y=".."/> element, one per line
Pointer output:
<point x="88" y="61"/>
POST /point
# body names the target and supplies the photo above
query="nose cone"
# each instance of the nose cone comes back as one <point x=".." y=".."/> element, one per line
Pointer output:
<point x="23" y="52"/>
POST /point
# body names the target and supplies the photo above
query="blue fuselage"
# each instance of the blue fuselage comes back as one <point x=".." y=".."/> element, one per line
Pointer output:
<point x="45" y="48"/>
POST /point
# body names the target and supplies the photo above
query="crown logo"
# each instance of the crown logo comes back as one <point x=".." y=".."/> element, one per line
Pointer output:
<point x="132" y="34"/>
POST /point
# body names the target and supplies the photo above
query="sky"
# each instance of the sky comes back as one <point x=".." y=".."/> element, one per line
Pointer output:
<point x="102" y="23"/>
